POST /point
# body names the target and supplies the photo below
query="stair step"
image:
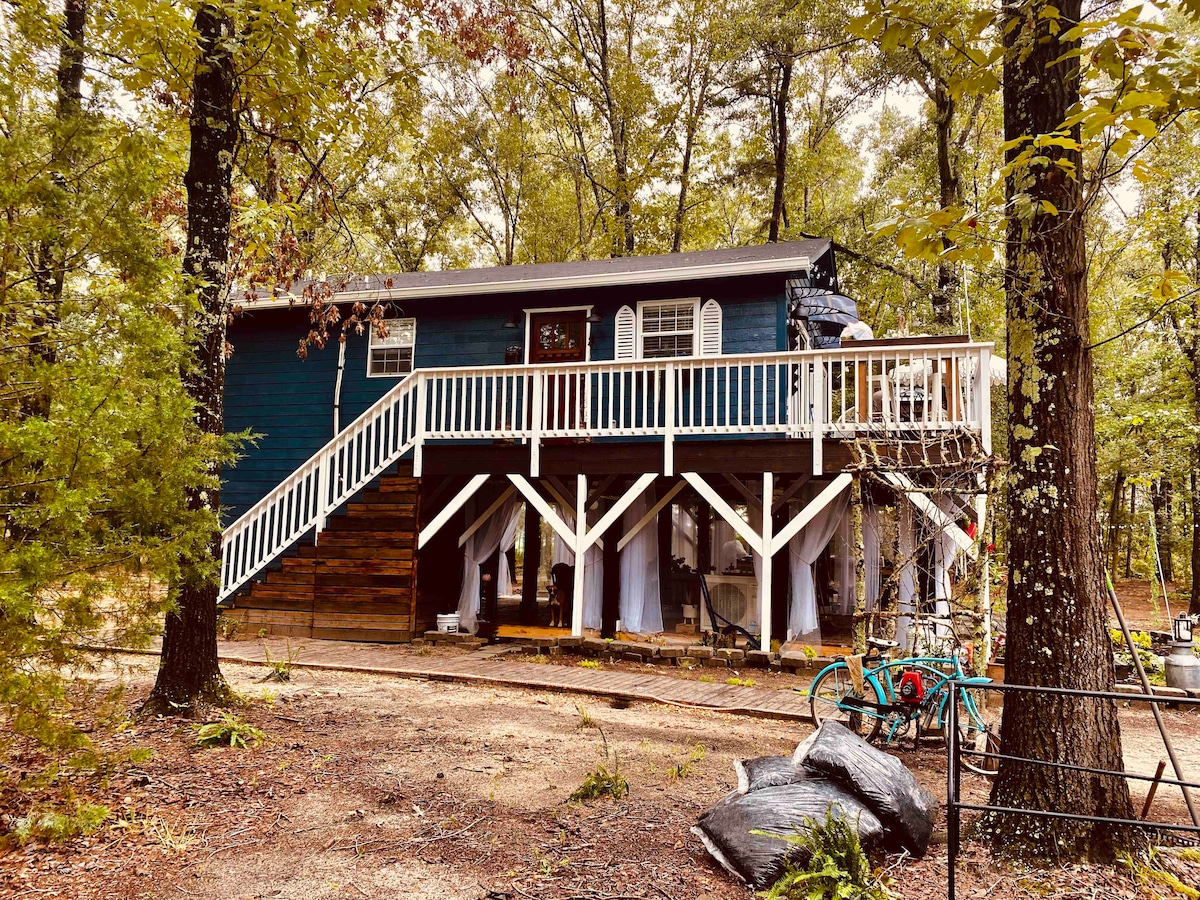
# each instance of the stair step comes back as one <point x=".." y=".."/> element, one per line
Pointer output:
<point x="373" y="523"/>
<point x="383" y="510"/>
<point x="351" y="551"/>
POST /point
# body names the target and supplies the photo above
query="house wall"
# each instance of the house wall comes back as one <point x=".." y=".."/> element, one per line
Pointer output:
<point x="288" y="402"/>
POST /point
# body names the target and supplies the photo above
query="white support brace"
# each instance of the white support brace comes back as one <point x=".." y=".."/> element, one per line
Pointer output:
<point x="649" y="516"/>
<point x="558" y="491"/>
<point x="751" y="498"/>
<point x="487" y="514"/>
<point x="725" y="511"/>
<point x="450" y="509"/>
<point x="806" y="515"/>
<point x="606" y="521"/>
<point x="545" y="509"/>
<point x="940" y="520"/>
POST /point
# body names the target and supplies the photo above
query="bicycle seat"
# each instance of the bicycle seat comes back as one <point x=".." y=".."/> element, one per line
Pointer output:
<point x="878" y="644"/>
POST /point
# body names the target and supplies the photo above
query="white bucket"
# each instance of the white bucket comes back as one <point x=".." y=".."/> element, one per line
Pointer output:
<point x="448" y="623"/>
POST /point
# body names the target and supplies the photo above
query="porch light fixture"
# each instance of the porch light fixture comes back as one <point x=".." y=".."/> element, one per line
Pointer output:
<point x="1182" y="628"/>
<point x="593" y="318"/>
<point x="514" y="321"/>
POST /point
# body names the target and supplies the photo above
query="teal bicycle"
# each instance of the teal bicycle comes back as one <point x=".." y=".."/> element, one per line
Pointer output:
<point x="895" y="696"/>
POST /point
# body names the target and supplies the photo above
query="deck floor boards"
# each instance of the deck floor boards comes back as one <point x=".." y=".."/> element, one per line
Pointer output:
<point x="483" y="668"/>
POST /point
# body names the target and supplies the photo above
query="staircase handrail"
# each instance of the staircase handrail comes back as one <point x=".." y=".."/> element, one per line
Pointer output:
<point x="301" y="503"/>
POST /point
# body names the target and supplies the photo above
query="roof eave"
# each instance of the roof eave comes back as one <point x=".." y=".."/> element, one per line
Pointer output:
<point x="561" y="282"/>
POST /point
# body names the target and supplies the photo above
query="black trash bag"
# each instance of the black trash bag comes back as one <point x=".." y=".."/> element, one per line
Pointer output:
<point x="878" y="779"/>
<point x="757" y="859"/>
<point x="766" y="771"/>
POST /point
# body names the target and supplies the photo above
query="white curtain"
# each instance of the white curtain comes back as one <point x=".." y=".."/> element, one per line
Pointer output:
<point x="803" y="551"/>
<point x="907" y="583"/>
<point x="843" y="566"/>
<point x="727" y="547"/>
<point x="945" y="552"/>
<point x="593" y="569"/>
<point x="498" y="533"/>
<point x="641" y="602"/>
<point x="871" y="556"/>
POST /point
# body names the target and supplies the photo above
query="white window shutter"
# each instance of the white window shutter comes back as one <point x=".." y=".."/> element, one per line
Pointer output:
<point x="626" y="334"/>
<point x="710" y="328"/>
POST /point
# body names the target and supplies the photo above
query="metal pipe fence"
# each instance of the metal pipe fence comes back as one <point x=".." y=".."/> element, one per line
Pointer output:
<point x="955" y="752"/>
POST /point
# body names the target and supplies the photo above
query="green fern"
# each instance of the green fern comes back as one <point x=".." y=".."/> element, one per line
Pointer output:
<point x="837" y="867"/>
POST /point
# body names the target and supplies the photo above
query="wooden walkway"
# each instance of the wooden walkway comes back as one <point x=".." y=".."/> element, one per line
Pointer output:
<point x="485" y="667"/>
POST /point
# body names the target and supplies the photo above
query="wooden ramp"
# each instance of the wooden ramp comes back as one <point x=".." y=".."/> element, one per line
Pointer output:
<point x="484" y="668"/>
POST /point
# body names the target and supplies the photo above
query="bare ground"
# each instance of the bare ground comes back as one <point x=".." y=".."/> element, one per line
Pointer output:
<point x="379" y="787"/>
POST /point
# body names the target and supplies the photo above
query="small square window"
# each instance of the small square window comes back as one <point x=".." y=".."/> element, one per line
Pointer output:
<point x="392" y="355"/>
<point x="668" y="329"/>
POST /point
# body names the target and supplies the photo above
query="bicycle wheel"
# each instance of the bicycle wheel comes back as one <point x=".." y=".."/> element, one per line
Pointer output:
<point x="978" y="730"/>
<point x="827" y="696"/>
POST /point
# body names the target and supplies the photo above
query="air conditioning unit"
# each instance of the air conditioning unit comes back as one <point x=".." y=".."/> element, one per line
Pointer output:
<point x="734" y="598"/>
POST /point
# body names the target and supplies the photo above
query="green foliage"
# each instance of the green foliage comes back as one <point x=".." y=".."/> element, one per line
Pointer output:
<point x="605" y="780"/>
<point x="57" y="825"/>
<point x="591" y="664"/>
<point x="836" y="867"/>
<point x="279" y="669"/>
<point x="741" y="682"/>
<point x="684" y="769"/>
<point x="230" y="731"/>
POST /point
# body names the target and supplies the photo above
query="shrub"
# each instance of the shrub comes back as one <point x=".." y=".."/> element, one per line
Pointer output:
<point x="280" y="669"/>
<point x="603" y="781"/>
<point x="58" y="825"/>
<point x="837" y="867"/>
<point x="228" y="730"/>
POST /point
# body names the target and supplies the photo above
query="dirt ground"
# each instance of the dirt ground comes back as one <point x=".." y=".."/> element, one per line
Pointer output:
<point x="380" y="787"/>
<point x="1143" y="605"/>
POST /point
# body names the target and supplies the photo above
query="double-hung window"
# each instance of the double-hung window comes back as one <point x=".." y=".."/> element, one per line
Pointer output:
<point x="392" y="355"/>
<point x="668" y="328"/>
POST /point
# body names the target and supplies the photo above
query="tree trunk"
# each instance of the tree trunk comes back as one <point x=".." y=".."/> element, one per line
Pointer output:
<point x="943" y="297"/>
<point x="1115" y="508"/>
<point x="1057" y="607"/>
<point x="685" y="174"/>
<point x="50" y="272"/>
<point x="1129" y="531"/>
<point x="1194" y="605"/>
<point x="780" y="105"/>
<point x="189" y="676"/>
<point x="1160" y="500"/>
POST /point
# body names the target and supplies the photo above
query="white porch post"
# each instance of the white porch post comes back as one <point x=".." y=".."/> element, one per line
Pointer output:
<point x="669" y="420"/>
<point x="768" y="555"/>
<point x="580" y="554"/>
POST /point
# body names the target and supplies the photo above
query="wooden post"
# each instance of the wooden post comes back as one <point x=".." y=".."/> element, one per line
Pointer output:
<point x="703" y="537"/>
<point x="860" y="567"/>
<point x="532" y="563"/>
<point x="580" y="556"/>
<point x="610" y="609"/>
<point x="765" y="589"/>
<point x="780" y="581"/>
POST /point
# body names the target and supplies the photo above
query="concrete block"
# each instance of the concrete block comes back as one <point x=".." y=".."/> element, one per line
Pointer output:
<point x="434" y="636"/>
<point x="620" y="647"/>
<point x="594" y="645"/>
<point x="646" y="650"/>
<point x="731" y="654"/>
<point x="570" y="642"/>
<point x="759" y="659"/>
<point x="633" y="657"/>
<point x="699" y="652"/>
<point x="792" y="660"/>
<point x="714" y="663"/>
<point x="671" y="652"/>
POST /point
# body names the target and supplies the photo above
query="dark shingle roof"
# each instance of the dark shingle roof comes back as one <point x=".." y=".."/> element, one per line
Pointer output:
<point x="786" y="256"/>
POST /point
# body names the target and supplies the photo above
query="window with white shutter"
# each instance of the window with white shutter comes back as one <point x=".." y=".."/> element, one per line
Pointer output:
<point x="626" y="334"/>
<point x="710" y="328"/>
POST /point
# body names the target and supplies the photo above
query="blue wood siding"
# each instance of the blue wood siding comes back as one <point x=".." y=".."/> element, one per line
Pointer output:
<point x="288" y="401"/>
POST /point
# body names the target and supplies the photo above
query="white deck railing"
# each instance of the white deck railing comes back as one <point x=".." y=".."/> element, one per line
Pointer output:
<point x="874" y="390"/>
